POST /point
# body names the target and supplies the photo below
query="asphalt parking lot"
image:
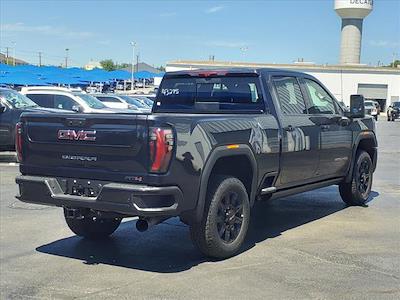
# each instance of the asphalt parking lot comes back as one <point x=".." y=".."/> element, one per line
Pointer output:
<point x="305" y="246"/>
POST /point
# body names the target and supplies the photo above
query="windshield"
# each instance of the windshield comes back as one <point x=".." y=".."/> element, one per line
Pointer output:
<point x="147" y="101"/>
<point x="133" y="101"/>
<point x="369" y="103"/>
<point x="396" y="104"/>
<point x="16" y="100"/>
<point x="91" y="101"/>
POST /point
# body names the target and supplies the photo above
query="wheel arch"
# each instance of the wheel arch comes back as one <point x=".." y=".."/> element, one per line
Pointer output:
<point x="241" y="155"/>
<point x="365" y="141"/>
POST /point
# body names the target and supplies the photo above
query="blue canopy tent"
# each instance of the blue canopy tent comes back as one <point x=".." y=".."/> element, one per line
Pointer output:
<point x="143" y="75"/>
<point x="120" y="75"/>
<point x="61" y="79"/>
<point x="21" y="78"/>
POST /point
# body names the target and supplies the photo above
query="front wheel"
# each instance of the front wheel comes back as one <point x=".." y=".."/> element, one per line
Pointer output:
<point x="357" y="191"/>
<point x="92" y="228"/>
<point x="224" y="225"/>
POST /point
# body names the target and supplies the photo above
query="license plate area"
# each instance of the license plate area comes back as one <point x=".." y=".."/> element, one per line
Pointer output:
<point x="80" y="187"/>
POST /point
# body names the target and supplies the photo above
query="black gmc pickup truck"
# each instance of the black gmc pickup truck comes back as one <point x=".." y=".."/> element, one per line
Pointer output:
<point x="215" y="143"/>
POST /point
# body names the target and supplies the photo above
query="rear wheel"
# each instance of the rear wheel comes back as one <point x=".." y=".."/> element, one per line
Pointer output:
<point x="357" y="191"/>
<point x="92" y="228"/>
<point x="223" y="228"/>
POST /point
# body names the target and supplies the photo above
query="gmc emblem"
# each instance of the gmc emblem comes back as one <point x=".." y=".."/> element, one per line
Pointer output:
<point x="81" y="135"/>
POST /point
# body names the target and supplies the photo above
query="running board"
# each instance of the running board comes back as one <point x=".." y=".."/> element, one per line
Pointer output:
<point x="305" y="188"/>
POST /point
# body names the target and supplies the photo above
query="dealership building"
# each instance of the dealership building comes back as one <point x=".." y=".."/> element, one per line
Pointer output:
<point x="348" y="77"/>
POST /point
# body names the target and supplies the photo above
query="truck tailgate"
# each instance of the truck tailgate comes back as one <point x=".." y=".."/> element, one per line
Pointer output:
<point x="96" y="146"/>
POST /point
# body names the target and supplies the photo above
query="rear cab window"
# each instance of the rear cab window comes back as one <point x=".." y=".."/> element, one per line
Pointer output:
<point x="43" y="100"/>
<point x="209" y="94"/>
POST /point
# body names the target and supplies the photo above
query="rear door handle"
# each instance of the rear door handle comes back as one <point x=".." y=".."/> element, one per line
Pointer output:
<point x="324" y="127"/>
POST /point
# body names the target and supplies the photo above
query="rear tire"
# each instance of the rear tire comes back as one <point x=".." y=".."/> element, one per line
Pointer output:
<point x="92" y="228"/>
<point x="223" y="228"/>
<point x="357" y="191"/>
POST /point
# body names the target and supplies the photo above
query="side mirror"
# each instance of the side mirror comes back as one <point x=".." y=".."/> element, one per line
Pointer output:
<point x="77" y="108"/>
<point x="2" y="108"/>
<point x="357" y="108"/>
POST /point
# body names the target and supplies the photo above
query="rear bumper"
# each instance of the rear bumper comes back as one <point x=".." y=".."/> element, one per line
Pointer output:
<point x="126" y="199"/>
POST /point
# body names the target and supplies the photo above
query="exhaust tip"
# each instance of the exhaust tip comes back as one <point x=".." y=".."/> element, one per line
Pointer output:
<point x="142" y="225"/>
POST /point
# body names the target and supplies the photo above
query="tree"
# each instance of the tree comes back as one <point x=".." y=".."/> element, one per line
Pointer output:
<point x="396" y="64"/>
<point x="161" y="68"/>
<point x="108" y="64"/>
<point x="123" y="66"/>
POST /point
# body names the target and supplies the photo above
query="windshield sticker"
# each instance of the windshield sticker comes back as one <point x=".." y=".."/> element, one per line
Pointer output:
<point x="169" y="92"/>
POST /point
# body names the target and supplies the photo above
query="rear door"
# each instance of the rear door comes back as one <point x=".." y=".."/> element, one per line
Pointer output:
<point x="335" y="137"/>
<point x="300" y="135"/>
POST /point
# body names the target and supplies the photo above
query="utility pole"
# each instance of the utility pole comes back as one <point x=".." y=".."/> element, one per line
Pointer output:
<point x="14" y="44"/>
<point x="7" y="55"/>
<point x="66" y="57"/>
<point x="137" y="62"/>
<point x="40" y="59"/>
<point x="133" y="44"/>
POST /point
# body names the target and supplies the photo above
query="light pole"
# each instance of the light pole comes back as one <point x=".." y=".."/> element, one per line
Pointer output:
<point x="133" y="44"/>
<point x="14" y="45"/>
<point x="66" y="57"/>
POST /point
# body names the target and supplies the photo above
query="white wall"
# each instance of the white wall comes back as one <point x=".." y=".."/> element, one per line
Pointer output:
<point x="342" y="85"/>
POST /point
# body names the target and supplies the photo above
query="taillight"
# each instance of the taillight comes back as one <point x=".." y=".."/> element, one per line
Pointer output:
<point x="18" y="140"/>
<point x="161" y="142"/>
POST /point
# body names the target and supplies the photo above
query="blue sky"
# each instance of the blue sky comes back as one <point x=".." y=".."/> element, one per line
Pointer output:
<point x="277" y="31"/>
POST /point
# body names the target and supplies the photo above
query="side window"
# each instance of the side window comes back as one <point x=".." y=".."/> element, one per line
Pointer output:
<point x="43" y="100"/>
<point x="321" y="102"/>
<point x="289" y="95"/>
<point x="63" y="102"/>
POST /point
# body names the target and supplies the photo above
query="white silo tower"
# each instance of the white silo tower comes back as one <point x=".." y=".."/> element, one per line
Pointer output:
<point x="352" y="13"/>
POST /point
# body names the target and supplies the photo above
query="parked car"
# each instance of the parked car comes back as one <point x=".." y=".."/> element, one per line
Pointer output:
<point x="12" y="105"/>
<point x="145" y="100"/>
<point x="133" y="100"/>
<point x="216" y="142"/>
<point x="67" y="99"/>
<point x="116" y="101"/>
<point x="370" y="109"/>
<point x="393" y="111"/>
<point x="377" y="106"/>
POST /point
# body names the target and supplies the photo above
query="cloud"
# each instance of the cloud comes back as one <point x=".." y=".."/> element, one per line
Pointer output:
<point x="45" y="30"/>
<point x="214" y="9"/>
<point x="384" y="43"/>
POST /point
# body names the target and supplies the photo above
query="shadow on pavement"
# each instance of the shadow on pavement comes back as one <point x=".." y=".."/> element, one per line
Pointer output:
<point x="167" y="248"/>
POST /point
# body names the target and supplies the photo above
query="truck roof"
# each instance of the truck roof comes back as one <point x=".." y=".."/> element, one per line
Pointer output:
<point x="231" y="71"/>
